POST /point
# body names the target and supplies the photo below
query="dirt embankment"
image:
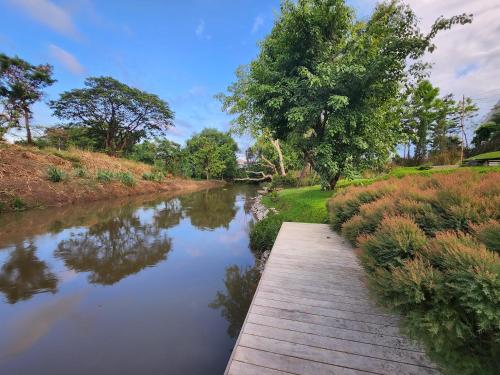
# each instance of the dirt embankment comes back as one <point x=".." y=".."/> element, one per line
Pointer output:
<point x="24" y="181"/>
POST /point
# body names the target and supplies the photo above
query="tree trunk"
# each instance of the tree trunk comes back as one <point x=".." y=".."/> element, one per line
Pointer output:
<point x="305" y="170"/>
<point x="270" y="164"/>
<point x="29" y="139"/>
<point x="276" y="144"/>
<point x="333" y="181"/>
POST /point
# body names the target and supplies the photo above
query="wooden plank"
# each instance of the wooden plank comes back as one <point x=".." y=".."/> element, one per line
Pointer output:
<point x="242" y="368"/>
<point x="329" y="321"/>
<point x="289" y="364"/>
<point x="327" y="301"/>
<point x="337" y="291"/>
<point x="336" y="305"/>
<point x="291" y="271"/>
<point x="328" y="311"/>
<point x="332" y="264"/>
<point x="353" y="347"/>
<point x="392" y="342"/>
<point x="325" y="282"/>
<point x="331" y="357"/>
<point x="312" y="314"/>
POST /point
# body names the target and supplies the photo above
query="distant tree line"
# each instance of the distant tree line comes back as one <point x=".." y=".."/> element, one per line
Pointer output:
<point x="109" y="116"/>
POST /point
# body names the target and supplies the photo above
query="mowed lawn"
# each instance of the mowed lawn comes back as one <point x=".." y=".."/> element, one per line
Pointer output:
<point x="308" y="204"/>
<point x="305" y="205"/>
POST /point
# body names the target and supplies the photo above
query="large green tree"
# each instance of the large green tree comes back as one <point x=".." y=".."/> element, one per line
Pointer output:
<point x="212" y="154"/>
<point x="487" y="135"/>
<point x="334" y="83"/>
<point x="115" y="114"/>
<point x="161" y="152"/>
<point x="21" y="86"/>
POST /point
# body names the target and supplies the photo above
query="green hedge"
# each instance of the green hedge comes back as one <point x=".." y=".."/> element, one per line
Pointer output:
<point x="263" y="233"/>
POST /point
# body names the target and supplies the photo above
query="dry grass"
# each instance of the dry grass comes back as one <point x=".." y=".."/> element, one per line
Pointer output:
<point x="23" y="175"/>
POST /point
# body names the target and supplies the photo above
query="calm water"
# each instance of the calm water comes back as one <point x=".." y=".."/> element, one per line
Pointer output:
<point x="150" y="285"/>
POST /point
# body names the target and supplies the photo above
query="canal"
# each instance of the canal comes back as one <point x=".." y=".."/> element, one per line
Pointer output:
<point x="144" y="285"/>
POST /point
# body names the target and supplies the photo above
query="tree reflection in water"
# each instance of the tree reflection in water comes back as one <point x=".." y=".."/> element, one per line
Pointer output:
<point x="116" y="248"/>
<point x="210" y="209"/>
<point x="169" y="215"/>
<point x="235" y="302"/>
<point x="24" y="275"/>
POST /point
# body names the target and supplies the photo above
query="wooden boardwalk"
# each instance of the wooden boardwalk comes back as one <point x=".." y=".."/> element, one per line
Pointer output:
<point x="311" y="315"/>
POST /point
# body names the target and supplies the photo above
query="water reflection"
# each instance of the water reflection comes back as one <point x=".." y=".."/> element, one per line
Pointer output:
<point x="210" y="209"/>
<point x="234" y="302"/>
<point x="169" y="214"/>
<point x="115" y="248"/>
<point x="24" y="275"/>
<point x="154" y="322"/>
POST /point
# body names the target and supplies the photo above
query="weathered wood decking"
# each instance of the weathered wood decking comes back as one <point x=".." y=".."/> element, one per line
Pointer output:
<point x="311" y="315"/>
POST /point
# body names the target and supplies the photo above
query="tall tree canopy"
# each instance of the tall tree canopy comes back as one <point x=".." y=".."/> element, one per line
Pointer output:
<point x="212" y="154"/>
<point x="335" y="86"/>
<point x="21" y="85"/>
<point x="487" y="135"/>
<point x="117" y="115"/>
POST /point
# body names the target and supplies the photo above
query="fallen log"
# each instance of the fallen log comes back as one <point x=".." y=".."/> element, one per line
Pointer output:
<point x="264" y="177"/>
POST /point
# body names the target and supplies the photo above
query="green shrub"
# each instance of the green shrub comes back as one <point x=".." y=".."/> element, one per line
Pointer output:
<point x="55" y="174"/>
<point x="423" y="214"/>
<point x="370" y="215"/>
<point x="284" y="181"/>
<point x="424" y="167"/>
<point x="346" y="203"/>
<point x="436" y="262"/>
<point x="2" y="206"/>
<point x="126" y="178"/>
<point x="105" y="176"/>
<point x="264" y="233"/>
<point x="18" y="204"/>
<point x="489" y="234"/>
<point x="309" y="181"/>
<point x="153" y="176"/>
<point x="68" y="157"/>
<point x="396" y="240"/>
<point x="353" y="228"/>
<point x="80" y="172"/>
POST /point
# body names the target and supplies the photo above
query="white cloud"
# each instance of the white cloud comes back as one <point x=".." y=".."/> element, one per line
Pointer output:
<point x="257" y="24"/>
<point x="467" y="58"/>
<point x="197" y="91"/>
<point x="69" y="61"/>
<point x="50" y="14"/>
<point x="200" y="29"/>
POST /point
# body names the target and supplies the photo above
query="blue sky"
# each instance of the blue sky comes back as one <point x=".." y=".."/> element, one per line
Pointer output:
<point x="187" y="51"/>
<point x="183" y="51"/>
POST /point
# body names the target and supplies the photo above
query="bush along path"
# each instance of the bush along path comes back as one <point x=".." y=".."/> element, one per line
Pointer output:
<point x="430" y="246"/>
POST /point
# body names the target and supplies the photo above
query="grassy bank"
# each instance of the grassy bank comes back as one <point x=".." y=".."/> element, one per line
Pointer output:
<point x="31" y="177"/>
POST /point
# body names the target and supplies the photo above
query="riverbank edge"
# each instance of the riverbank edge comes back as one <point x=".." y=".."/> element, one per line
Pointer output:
<point x="180" y="186"/>
<point x="260" y="212"/>
<point x="82" y="177"/>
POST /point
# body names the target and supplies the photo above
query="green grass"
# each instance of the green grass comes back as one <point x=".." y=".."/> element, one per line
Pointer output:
<point x="487" y="155"/>
<point x="307" y="204"/>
